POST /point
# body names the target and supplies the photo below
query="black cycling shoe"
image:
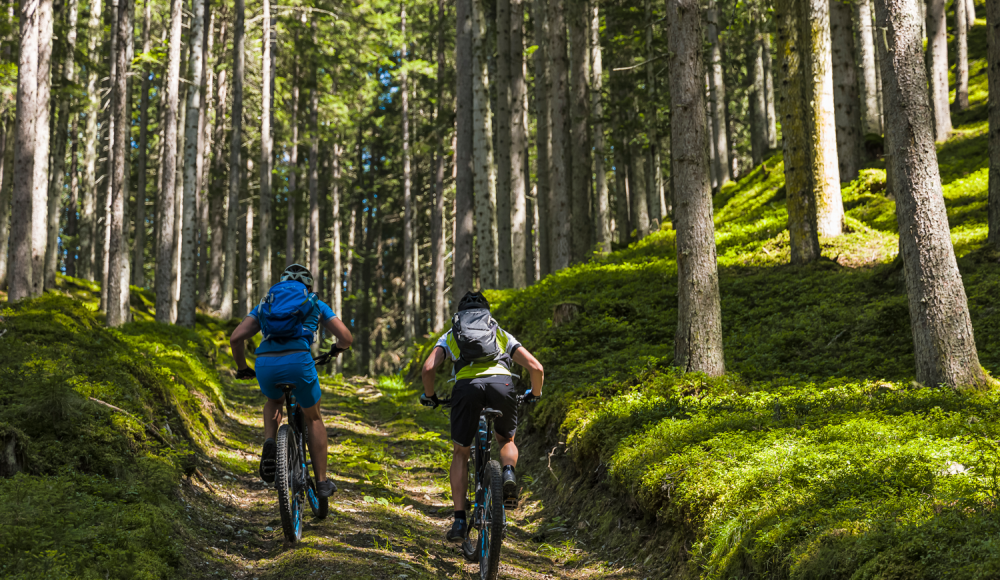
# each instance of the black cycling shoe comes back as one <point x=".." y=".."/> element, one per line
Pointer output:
<point x="268" y="466"/>
<point x="456" y="534"/>
<point x="325" y="488"/>
<point x="509" y="488"/>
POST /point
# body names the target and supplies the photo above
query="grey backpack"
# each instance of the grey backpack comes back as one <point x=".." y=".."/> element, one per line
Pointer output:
<point x="475" y="332"/>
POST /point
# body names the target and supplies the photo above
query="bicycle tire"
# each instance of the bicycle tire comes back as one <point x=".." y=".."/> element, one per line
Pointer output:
<point x="491" y="535"/>
<point x="285" y="478"/>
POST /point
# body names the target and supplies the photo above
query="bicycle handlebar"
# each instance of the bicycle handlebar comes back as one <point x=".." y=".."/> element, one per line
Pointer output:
<point x="331" y="354"/>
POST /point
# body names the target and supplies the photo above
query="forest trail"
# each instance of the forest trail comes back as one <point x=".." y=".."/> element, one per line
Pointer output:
<point x="388" y="457"/>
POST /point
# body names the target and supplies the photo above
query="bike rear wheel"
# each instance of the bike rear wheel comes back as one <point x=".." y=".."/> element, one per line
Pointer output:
<point x="491" y="534"/>
<point x="289" y="470"/>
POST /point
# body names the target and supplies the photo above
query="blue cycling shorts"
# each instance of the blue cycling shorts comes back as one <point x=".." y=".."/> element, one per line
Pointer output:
<point x="295" y="368"/>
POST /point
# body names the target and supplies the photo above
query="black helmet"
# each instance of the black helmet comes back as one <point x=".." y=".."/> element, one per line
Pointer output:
<point x="299" y="273"/>
<point x="473" y="300"/>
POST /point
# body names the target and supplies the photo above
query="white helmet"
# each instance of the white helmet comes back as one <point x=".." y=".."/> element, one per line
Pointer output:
<point x="298" y="272"/>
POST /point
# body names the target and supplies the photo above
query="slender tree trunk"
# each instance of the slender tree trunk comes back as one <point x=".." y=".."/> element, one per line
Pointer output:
<point x="291" y="255"/>
<point x="962" y="58"/>
<point x="580" y="146"/>
<point x="72" y="213"/>
<point x="793" y="103"/>
<point x="847" y="105"/>
<point x="822" y="121"/>
<point x="409" y="275"/>
<point x="168" y="161"/>
<point x="246" y="255"/>
<point x="21" y="264"/>
<point x="622" y="225"/>
<point x="518" y="148"/>
<point x="314" y="181"/>
<point x="543" y="134"/>
<point x="5" y="205"/>
<point x="698" y="340"/>
<point x="758" y="97"/>
<point x="464" y="194"/>
<point x="712" y="153"/>
<point x="118" y="290"/>
<point x="943" y="342"/>
<point x="192" y="145"/>
<point x="204" y="140"/>
<point x="60" y="139"/>
<point x="561" y="240"/>
<point x="438" y="302"/>
<point x="179" y="193"/>
<point x="717" y="90"/>
<point x="602" y="214"/>
<point x="654" y="179"/>
<point x="235" y="162"/>
<point x="637" y="188"/>
<point x="503" y="116"/>
<point x="772" y="117"/>
<point x="937" y="68"/>
<point x="993" y="106"/>
<point x="88" y="221"/>
<point x="139" y="245"/>
<point x="40" y="180"/>
<point x="482" y="153"/>
<point x="218" y="199"/>
<point x="871" y="120"/>
<point x="267" y="145"/>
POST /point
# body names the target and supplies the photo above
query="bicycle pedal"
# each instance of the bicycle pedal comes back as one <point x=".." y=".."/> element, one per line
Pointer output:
<point x="510" y="503"/>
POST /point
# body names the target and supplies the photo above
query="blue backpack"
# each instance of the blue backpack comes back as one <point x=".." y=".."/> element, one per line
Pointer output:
<point x="283" y="312"/>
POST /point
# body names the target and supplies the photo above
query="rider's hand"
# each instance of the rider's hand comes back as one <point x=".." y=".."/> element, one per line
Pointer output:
<point x="529" y="397"/>
<point x="247" y="373"/>
<point x="431" y="401"/>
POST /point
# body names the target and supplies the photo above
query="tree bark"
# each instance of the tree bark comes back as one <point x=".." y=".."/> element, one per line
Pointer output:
<point x="503" y="115"/>
<point x="758" y="97"/>
<point x="291" y="254"/>
<point x="822" y="121"/>
<point x="937" y="68"/>
<point x="543" y="134"/>
<point x="165" y="226"/>
<point x="637" y="189"/>
<point x="561" y="234"/>
<point x="602" y="213"/>
<point x="793" y="103"/>
<point x="581" y="182"/>
<point x="464" y="194"/>
<point x="438" y="300"/>
<point x="189" y="249"/>
<point x="962" y="57"/>
<point x="20" y="278"/>
<point x="118" y="290"/>
<point x="40" y="180"/>
<point x="218" y="199"/>
<point x="944" y="346"/>
<point x="246" y="253"/>
<point x="139" y="245"/>
<point x="59" y="151"/>
<point x="772" y="117"/>
<point x="204" y="141"/>
<point x="235" y="162"/>
<point x="847" y="112"/>
<point x="717" y="91"/>
<point x="337" y="267"/>
<point x="268" y="34"/>
<point x="622" y="227"/>
<point x="5" y="171"/>
<point x="482" y="152"/>
<point x="88" y="210"/>
<point x="409" y="276"/>
<point x="519" y="230"/>
<point x="871" y="119"/>
<point x="314" y="181"/>
<point x="698" y="340"/>
<point x="993" y="106"/>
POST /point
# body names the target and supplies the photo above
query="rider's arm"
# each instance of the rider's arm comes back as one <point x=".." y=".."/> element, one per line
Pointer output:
<point x="245" y="330"/>
<point x="430" y="369"/>
<point x="527" y="360"/>
<point x="336" y="327"/>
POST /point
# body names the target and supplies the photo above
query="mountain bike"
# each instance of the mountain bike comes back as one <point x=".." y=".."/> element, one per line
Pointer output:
<point x="488" y="523"/>
<point x="292" y="479"/>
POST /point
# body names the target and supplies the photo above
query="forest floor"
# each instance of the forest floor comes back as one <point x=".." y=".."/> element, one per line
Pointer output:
<point x="388" y="456"/>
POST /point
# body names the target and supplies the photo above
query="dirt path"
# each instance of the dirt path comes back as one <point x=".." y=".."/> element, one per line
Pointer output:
<point x="388" y="457"/>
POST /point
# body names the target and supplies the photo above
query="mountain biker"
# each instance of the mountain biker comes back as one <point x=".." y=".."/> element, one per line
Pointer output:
<point x="479" y="385"/>
<point x="281" y="360"/>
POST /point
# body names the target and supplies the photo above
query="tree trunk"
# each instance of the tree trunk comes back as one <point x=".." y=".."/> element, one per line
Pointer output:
<point x="40" y="180"/>
<point x="109" y="169"/>
<point x="166" y="243"/>
<point x="462" y="253"/>
<point x="337" y="266"/>
<point x="602" y="213"/>
<point x="637" y="188"/>
<point x="519" y="248"/>
<point x="189" y="249"/>
<point x="543" y="134"/>
<point x="943" y="343"/>
<point x="579" y="30"/>
<point x="993" y="105"/>
<point x="717" y="91"/>
<point x="314" y="181"/>
<point x="713" y="166"/>
<point x="822" y="121"/>
<point x="937" y="68"/>
<point x="246" y="254"/>
<point x="970" y="13"/>
<point x="268" y="34"/>
<point x="962" y="58"/>
<point x="59" y="152"/>
<point x="698" y="340"/>
<point x="20" y="279"/>
<point x="235" y="161"/>
<point x="847" y="113"/>
<point x="772" y="117"/>
<point x="503" y="114"/>
<point x="792" y="102"/>
<point x="561" y="234"/>
<point x="118" y="290"/>
<point x="218" y="199"/>
<point x="622" y="225"/>
<point x="482" y="152"/>
<point x="871" y="119"/>
<point x="5" y="171"/>
<point x="88" y="221"/>
<point x="291" y="254"/>
<point x="438" y="300"/>
<point x="179" y="194"/>
<point x="139" y="244"/>
<point x="409" y="276"/>
<point x="758" y="98"/>
<point x="72" y="214"/>
<point x="204" y="140"/>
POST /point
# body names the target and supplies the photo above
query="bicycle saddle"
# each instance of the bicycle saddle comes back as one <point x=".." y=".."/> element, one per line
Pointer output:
<point x="491" y="413"/>
<point x="285" y="387"/>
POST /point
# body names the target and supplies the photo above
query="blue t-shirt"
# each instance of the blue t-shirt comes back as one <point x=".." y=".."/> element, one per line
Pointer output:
<point x="321" y="313"/>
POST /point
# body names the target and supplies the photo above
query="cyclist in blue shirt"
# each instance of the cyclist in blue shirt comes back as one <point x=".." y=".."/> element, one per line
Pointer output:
<point x="290" y="361"/>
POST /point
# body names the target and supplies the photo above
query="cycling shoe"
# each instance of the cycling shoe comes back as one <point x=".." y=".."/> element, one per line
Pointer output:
<point x="325" y="488"/>
<point x="509" y="488"/>
<point x="268" y="466"/>
<point x="456" y="534"/>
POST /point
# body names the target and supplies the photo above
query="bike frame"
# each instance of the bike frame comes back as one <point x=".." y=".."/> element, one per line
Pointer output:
<point x="480" y="457"/>
<point x="301" y="488"/>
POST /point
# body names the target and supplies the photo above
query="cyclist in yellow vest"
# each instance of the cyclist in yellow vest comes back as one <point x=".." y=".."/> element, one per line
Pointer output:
<point x="479" y="385"/>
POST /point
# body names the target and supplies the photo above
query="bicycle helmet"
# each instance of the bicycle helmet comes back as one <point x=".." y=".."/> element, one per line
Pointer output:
<point x="473" y="300"/>
<point x="298" y="272"/>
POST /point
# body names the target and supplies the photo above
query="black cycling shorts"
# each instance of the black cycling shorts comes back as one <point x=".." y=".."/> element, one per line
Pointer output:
<point x="471" y="396"/>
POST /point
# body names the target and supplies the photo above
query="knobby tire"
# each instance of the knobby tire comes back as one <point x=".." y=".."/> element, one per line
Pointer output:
<point x="491" y="536"/>
<point x="287" y="473"/>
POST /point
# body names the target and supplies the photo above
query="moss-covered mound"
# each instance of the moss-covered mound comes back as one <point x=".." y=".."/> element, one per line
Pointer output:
<point x="101" y="425"/>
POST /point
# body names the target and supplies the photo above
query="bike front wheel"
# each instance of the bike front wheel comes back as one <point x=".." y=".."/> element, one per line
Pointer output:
<point x="491" y="534"/>
<point x="286" y="480"/>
